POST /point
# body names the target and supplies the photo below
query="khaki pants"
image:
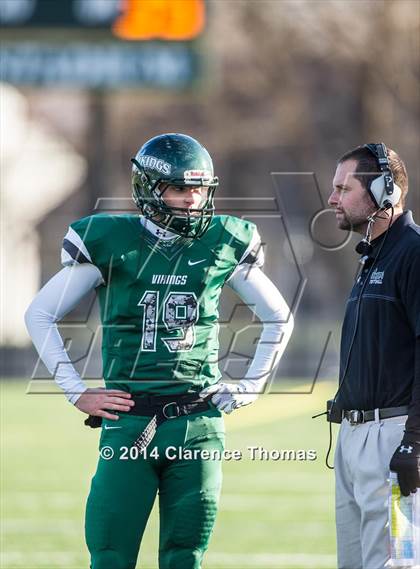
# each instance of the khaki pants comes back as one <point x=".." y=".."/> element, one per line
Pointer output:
<point x="361" y="465"/>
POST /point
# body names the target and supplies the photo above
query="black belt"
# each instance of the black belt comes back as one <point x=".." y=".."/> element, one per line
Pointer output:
<point x="161" y="408"/>
<point x="168" y="406"/>
<point x="357" y="416"/>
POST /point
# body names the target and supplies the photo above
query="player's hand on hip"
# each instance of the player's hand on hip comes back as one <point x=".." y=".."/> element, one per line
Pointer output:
<point x="98" y="402"/>
<point x="406" y="463"/>
<point x="230" y="396"/>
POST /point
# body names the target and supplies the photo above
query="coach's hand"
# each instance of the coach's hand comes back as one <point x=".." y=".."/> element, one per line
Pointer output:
<point x="99" y="401"/>
<point x="406" y="463"/>
<point x="230" y="396"/>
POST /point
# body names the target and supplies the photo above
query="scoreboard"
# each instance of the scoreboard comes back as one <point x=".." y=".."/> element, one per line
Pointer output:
<point x="101" y="43"/>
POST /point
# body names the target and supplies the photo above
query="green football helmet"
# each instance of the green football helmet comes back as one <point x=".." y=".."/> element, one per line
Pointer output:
<point x="173" y="160"/>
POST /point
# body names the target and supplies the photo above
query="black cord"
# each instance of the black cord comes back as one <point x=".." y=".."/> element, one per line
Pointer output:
<point x="356" y="326"/>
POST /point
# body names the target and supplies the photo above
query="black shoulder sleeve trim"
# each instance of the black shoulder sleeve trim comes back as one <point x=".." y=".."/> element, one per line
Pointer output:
<point x="74" y="252"/>
<point x="250" y="258"/>
<point x="255" y="256"/>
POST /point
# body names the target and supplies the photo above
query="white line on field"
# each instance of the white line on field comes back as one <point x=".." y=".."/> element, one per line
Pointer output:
<point x="252" y="502"/>
<point x="212" y="560"/>
<point x="41" y="526"/>
<point x="29" y="499"/>
<point x="268" y="560"/>
<point x="33" y="558"/>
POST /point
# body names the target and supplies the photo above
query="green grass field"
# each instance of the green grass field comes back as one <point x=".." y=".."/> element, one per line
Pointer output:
<point x="273" y="514"/>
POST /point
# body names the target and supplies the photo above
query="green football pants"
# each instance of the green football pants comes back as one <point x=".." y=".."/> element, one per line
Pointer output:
<point x="125" y="486"/>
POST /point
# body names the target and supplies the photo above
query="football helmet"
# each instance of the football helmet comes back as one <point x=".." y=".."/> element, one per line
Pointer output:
<point x="173" y="160"/>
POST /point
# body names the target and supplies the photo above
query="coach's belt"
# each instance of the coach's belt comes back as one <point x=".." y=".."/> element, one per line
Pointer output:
<point x="357" y="416"/>
<point x="160" y="408"/>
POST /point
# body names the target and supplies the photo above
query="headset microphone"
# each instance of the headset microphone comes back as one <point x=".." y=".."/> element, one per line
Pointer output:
<point x="364" y="248"/>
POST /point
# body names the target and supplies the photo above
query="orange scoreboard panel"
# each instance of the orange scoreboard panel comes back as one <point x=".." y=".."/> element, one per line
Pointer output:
<point x="174" y="20"/>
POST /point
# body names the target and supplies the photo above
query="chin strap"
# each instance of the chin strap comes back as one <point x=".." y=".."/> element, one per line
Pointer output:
<point x="157" y="230"/>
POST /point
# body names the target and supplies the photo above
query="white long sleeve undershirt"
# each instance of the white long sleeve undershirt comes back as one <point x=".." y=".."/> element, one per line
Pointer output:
<point x="66" y="289"/>
<point x="59" y="296"/>
<point x="265" y="300"/>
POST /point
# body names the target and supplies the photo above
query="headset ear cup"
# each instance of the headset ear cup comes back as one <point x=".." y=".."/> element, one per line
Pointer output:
<point x="380" y="197"/>
<point x="377" y="190"/>
<point x="396" y="195"/>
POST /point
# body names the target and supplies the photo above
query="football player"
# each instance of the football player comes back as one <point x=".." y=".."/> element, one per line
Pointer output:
<point x="158" y="277"/>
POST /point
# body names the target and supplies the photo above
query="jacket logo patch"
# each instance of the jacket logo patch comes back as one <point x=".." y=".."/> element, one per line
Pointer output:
<point x="376" y="277"/>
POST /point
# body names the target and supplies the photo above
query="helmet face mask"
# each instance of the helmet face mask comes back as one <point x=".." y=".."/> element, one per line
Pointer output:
<point x="180" y="161"/>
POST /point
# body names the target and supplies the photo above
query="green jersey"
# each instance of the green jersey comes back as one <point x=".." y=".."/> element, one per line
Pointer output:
<point x="159" y="298"/>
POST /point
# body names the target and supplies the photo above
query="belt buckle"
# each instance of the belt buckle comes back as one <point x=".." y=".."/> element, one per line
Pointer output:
<point x="356" y="417"/>
<point x="165" y="412"/>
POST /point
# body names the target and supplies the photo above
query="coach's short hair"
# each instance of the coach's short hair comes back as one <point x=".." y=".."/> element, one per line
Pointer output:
<point x="366" y="163"/>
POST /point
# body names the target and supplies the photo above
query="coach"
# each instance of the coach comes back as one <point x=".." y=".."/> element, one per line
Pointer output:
<point x="378" y="398"/>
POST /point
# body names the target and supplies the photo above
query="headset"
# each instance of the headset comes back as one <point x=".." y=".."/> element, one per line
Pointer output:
<point x="383" y="191"/>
